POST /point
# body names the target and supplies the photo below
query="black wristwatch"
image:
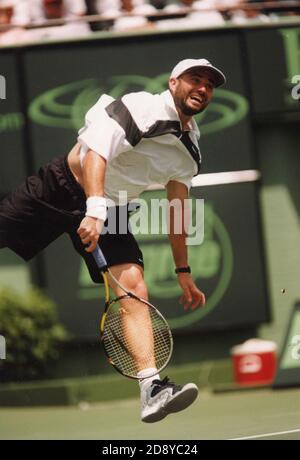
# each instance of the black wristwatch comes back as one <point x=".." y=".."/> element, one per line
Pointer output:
<point x="183" y="270"/>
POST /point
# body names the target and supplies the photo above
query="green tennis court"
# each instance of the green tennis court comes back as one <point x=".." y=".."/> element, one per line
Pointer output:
<point x="256" y="414"/>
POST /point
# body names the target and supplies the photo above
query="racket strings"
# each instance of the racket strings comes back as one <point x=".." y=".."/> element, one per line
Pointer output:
<point x="136" y="337"/>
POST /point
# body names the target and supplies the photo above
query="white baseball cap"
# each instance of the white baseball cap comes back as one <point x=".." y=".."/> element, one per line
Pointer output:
<point x="187" y="64"/>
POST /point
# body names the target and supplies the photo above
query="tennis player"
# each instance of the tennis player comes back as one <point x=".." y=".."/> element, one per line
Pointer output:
<point x="126" y="145"/>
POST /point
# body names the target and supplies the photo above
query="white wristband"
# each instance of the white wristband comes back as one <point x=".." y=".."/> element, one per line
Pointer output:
<point x="96" y="207"/>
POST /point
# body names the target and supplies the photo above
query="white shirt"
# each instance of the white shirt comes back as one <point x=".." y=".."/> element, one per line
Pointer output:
<point x="200" y="17"/>
<point x="192" y="21"/>
<point x="136" y="19"/>
<point x="108" y="8"/>
<point x="113" y="7"/>
<point x="140" y="136"/>
<point x="21" y="13"/>
<point x="33" y="10"/>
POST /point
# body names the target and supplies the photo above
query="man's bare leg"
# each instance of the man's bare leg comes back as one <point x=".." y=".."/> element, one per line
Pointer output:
<point x="137" y="326"/>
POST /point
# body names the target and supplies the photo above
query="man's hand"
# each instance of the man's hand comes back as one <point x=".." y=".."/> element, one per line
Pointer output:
<point x="192" y="296"/>
<point x="89" y="233"/>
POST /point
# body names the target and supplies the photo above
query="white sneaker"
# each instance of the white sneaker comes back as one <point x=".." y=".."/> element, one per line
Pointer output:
<point x="164" y="397"/>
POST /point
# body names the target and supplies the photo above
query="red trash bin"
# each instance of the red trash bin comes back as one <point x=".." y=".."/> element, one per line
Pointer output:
<point x="254" y="362"/>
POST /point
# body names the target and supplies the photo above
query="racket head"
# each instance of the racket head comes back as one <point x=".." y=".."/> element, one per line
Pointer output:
<point x="135" y="336"/>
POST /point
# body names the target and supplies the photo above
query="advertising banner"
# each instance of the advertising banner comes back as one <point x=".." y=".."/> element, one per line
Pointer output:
<point x="12" y="169"/>
<point x="274" y="69"/>
<point x="227" y="266"/>
<point x="62" y="84"/>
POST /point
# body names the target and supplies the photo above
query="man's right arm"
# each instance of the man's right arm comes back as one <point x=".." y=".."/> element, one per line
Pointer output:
<point x="94" y="167"/>
<point x="102" y="138"/>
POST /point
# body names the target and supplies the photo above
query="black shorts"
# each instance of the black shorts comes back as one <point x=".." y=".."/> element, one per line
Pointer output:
<point x="49" y="204"/>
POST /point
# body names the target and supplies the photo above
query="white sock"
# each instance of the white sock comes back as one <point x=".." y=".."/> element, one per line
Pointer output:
<point x="145" y="382"/>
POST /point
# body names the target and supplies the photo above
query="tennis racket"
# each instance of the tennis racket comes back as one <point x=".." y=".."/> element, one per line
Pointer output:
<point x="134" y="334"/>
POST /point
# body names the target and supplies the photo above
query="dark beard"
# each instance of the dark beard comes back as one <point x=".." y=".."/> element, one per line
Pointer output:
<point x="185" y="109"/>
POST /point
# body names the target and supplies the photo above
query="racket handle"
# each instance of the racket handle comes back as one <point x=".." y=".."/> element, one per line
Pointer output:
<point x="100" y="259"/>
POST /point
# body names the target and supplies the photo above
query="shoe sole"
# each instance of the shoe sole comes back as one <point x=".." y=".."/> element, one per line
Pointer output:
<point x="179" y="402"/>
<point x="156" y="417"/>
<point x="183" y="399"/>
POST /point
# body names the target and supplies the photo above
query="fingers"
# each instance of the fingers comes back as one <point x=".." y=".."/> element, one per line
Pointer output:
<point x="88" y="234"/>
<point x="186" y="299"/>
<point x="198" y="300"/>
<point x="192" y="298"/>
<point x="92" y="246"/>
<point x="81" y="231"/>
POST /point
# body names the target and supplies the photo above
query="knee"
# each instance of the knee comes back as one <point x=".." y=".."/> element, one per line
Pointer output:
<point x="140" y="289"/>
<point x="132" y="279"/>
<point x="135" y="283"/>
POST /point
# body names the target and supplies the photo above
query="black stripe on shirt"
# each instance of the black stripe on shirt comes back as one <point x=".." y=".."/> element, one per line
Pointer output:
<point x="120" y="113"/>
<point x="191" y="147"/>
<point x="161" y="127"/>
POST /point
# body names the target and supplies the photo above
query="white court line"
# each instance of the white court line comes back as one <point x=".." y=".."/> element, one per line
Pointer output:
<point x="265" y="435"/>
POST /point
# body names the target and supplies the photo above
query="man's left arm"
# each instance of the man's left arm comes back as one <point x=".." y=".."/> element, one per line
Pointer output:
<point x="177" y="194"/>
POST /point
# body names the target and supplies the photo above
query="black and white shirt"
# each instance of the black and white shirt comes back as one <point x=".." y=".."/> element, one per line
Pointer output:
<point x="140" y="135"/>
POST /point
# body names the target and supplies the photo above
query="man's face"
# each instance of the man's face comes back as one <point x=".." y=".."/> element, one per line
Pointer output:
<point x="187" y="2"/>
<point x="192" y="91"/>
<point x="6" y="14"/>
<point x="127" y="5"/>
<point x="53" y="9"/>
